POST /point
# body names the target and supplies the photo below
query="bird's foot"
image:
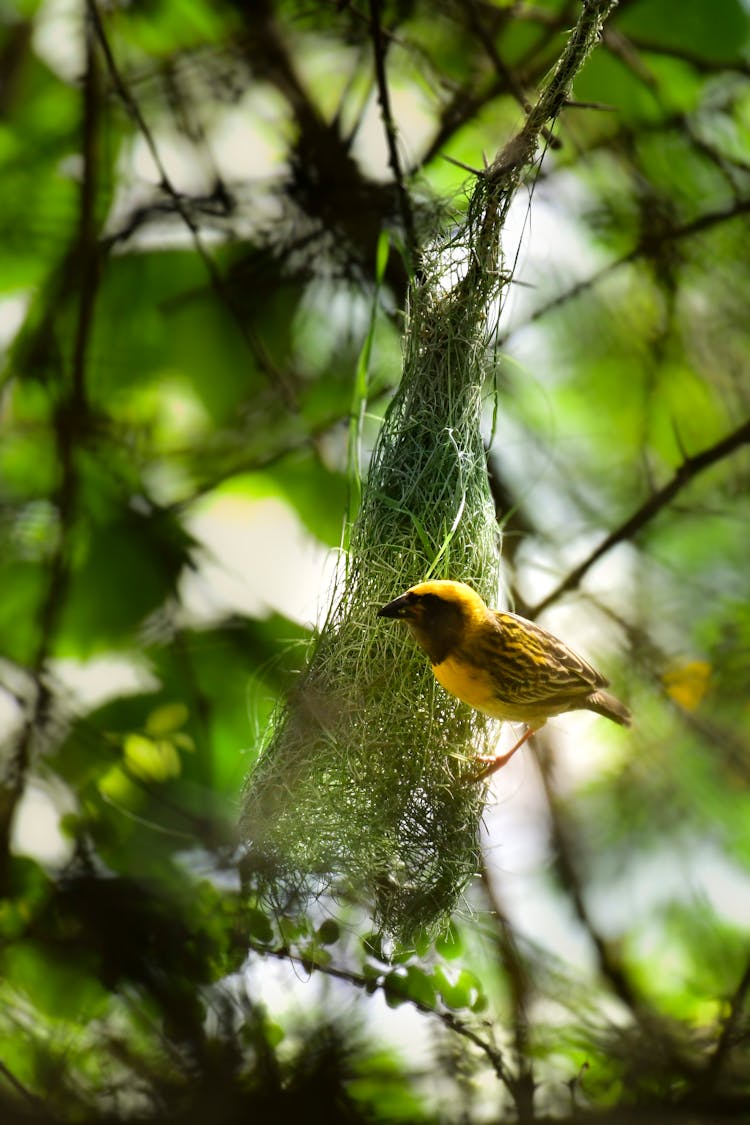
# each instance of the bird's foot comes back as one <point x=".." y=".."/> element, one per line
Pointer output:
<point x="495" y="762"/>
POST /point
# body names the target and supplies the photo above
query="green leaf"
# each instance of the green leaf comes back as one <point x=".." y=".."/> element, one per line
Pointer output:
<point x="409" y="984"/>
<point x="712" y="32"/>
<point x="166" y="719"/>
<point x="19" y="615"/>
<point x="395" y="988"/>
<point x="151" y="760"/>
<point x="328" y="932"/>
<point x="458" y="990"/>
<point x="29" y="889"/>
<point x="129" y="563"/>
<point x="61" y="984"/>
<point x="373" y="946"/>
<point x="449" y="944"/>
<point x="259" y="926"/>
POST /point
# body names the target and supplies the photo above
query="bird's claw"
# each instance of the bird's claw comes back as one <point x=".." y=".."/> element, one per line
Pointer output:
<point x="493" y="762"/>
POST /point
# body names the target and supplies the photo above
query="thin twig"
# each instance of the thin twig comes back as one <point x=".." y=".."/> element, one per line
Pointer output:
<point x="495" y="189"/>
<point x="629" y="528"/>
<point x="610" y="968"/>
<point x="704" y="64"/>
<point x="70" y="421"/>
<point x="645" y="247"/>
<point x="521" y="148"/>
<point x="613" y="971"/>
<point x="504" y="73"/>
<point x="729" y="1029"/>
<point x="448" y="1019"/>
<point x="384" y="97"/>
<point x="256" y="346"/>
<point x="87" y="250"/>
<point x="18" y="1086"/>
<point x="466" y="103"/>
<point x="519" y="981"/>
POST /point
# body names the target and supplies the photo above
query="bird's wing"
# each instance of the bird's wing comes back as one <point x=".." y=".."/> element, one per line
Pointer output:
<point x="540" y="665"/>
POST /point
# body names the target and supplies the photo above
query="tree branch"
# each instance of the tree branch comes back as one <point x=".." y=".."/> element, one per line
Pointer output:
<point x="448" y="1019"/>
<point x="506" y="75"/>
<point x="254" y="343"/>
<point x="19" y="1087"/>
<point x="644" y="248"/>
<point x="726" y="1038"/>
<point x="690" y="468"/>
<point x="466" y="103"/>
<point x="610" y="968"/>
<point x="521" y="148"/>
<point x="70" y="422"/>
<point x="384" y="97"/>
<point x="520" y="986"/>
<point x="701" y="63"/>
<point x="496" y="186"/>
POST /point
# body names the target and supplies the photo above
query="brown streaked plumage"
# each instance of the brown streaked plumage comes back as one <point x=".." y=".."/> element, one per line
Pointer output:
<point x="498" y="663"/>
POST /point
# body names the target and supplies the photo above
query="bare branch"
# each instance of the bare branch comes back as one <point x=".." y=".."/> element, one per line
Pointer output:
<point x="644" y="248"/>
<point x="466" y="103"/>
<point x="447" y="1018"/>
<point x="703" y="64"/>
<point x="688" y="470"/>
<point x="504" y="73"/>
<point x="70" y="421"/>
<point x="729" y="1029"/>
<point x="609" y="966"/>
<point x="520" y="985"/>
<point x="495" y="189"/>
<point x="19" y="1087"/>
<point x="407" y="218"/>
<point x="256" y="346"/>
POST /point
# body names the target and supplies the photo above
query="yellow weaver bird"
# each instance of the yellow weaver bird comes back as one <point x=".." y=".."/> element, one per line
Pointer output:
<point x="498" y="663"/>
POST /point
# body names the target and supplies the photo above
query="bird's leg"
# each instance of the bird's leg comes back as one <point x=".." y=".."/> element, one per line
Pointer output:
<point x="493" y="763"/>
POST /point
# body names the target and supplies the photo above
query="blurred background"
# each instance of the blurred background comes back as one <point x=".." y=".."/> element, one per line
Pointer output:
<point x="192" y="199"/>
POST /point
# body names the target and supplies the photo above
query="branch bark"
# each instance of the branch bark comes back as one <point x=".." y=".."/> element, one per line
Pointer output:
<point x="257" y="348"/>
<point x="644" y="248"/>
<point x="70" y="424"/>
<point x="358" y="980"/>
<point x="729" y="1029"/>
<point x="690" y="468"/>
<point x="384" y="97"/>
<point x="497" y="185"/>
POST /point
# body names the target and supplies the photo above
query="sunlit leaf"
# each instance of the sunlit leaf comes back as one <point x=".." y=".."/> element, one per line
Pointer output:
<point x="151" y="760"/>
<point x="687" y="684"/>
<point x="166" y="719"/>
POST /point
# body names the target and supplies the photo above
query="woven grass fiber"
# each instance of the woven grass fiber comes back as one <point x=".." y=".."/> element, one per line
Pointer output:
<point x="365" y="786"/>
<point x="366" y="779"/>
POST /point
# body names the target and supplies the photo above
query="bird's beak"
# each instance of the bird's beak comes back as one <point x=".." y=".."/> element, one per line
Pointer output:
<point x="399" y="607"/>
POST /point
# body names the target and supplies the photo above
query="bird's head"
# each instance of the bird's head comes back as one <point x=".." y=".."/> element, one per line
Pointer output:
<point x="437" y="614"/>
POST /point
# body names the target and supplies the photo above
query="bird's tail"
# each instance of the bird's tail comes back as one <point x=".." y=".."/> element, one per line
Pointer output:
<point x="605" y="704"/>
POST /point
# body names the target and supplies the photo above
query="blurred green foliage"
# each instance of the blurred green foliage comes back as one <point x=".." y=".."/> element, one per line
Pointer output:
<point x="175" y="335"/>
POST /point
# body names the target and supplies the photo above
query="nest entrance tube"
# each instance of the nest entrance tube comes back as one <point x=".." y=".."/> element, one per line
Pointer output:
<point x="365" y="787"/>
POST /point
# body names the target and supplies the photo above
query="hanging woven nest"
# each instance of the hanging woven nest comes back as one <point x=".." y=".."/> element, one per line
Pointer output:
<point x="365" y="786"/>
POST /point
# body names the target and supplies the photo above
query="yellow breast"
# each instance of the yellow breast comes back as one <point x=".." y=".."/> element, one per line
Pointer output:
<point x="469" y="683"/>
<point x="473" y="685"/>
